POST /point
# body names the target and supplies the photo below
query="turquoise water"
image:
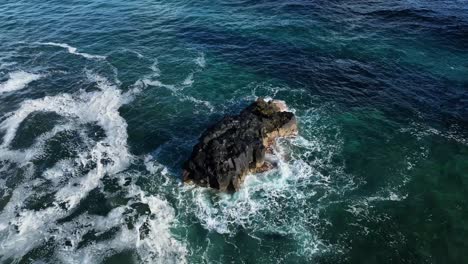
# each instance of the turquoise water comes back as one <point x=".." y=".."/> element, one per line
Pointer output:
<point x="102" y="101"/>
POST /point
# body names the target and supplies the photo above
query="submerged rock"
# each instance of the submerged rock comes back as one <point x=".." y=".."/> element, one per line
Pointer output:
<point x="236" y="146"/>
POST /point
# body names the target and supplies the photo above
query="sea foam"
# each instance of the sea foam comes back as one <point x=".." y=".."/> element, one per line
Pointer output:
<point x="70" y="181"/>
<point x="177" y="90"/>
<point x="18" y="80"/>
<point x="200" y="60"/>
<point x="278" y="202"/>
<point x="74" y="50"/>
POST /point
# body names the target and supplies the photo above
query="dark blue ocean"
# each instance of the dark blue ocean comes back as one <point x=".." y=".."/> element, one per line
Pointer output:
<point x="102" y="101"/>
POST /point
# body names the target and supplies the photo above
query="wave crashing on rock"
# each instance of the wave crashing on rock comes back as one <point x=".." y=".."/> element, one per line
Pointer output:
<point x="236" y="146"/>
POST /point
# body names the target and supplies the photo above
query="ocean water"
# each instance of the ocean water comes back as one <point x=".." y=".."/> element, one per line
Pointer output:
<point x="102" y="101"/>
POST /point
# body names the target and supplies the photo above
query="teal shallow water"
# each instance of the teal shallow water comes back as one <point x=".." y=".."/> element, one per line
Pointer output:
<point x="102" y="101"/>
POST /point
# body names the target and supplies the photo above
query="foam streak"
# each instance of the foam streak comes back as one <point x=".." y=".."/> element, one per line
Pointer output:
<point x="74" y="50"/>
<point x="18" y="80"/>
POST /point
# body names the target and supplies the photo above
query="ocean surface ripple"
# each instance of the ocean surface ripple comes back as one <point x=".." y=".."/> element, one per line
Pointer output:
<point x="102" y="101"/>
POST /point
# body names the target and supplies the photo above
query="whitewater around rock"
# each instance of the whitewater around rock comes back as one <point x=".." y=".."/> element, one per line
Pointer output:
<point x="236" y="146"/>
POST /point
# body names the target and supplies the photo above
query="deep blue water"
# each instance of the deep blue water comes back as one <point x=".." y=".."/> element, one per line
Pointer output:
<point x="102" y="101"/>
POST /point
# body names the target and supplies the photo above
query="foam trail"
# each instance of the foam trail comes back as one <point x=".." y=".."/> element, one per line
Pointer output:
<point x="176" y="91"/>
<point x="73" y="50"/>
<point x="18" y="80"/>
<point x="139" y="55"/>
<point x="154" y="67"/>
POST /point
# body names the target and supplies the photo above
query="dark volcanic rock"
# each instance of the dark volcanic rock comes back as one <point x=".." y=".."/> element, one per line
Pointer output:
<point x="236" y="145"/>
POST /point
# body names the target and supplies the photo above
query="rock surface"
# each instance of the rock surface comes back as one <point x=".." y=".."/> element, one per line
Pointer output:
<point x="236" y="146"/>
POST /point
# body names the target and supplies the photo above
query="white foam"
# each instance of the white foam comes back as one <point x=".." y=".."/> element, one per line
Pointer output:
<point x="421" y="131"/>
<point x="18" y="80"/>
<point x="155" y="246"/>
<point x="100" y="107"/>
<point x="156" y="71"/>
<point x="154" y="167"/>
<point x="22" y="229"/>
<point x="159" y="84"/>
<point x="139" y="55"/>
<point x="159" y="246"/>
<point x="74" y="50"/>
<point x="200" y="60"/>
<point x="189" y="80"/>
<point x="24" y="156"/>
<point x="207" y="104"/>
<point x="177" y="91"/>
<point x="278" y="202"/>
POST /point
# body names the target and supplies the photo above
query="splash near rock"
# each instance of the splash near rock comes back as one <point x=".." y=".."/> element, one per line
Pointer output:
<point x="236" y="146"/>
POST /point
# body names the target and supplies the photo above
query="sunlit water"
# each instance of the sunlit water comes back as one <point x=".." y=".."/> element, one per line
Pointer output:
<point x="102" y="101"/>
